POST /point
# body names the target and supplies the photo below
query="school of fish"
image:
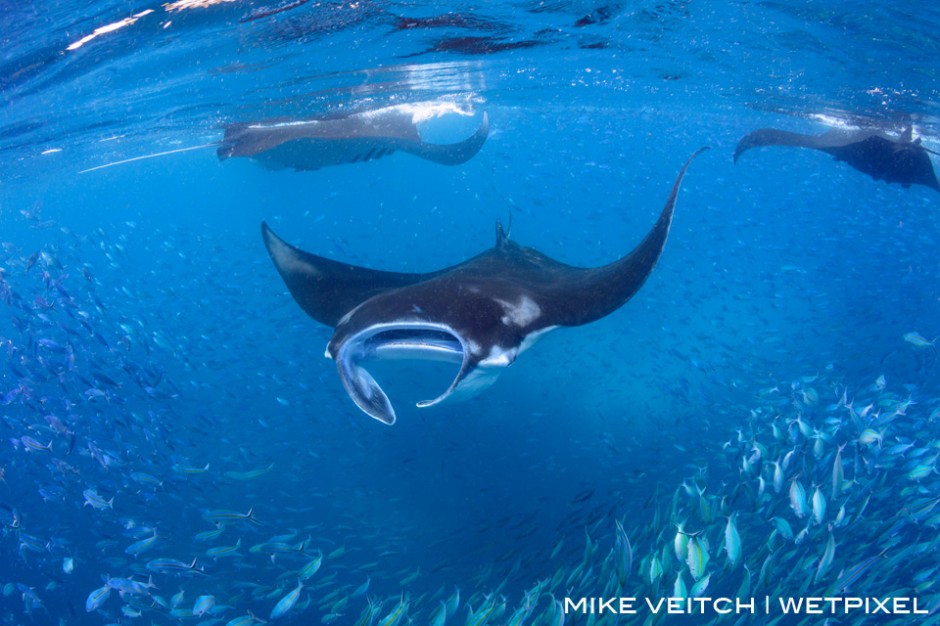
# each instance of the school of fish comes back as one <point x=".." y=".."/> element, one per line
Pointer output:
<point x="122" y="502"/>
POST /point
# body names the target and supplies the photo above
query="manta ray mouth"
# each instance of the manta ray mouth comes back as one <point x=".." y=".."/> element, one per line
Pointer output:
<point x="406" y="340"/>
<point x="430" y="344"/>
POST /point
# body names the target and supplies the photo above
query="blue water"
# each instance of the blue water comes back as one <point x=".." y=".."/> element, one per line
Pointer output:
<point x="142" y="311"/>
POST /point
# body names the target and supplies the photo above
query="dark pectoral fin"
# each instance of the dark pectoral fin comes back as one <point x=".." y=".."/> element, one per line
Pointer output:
<point x="587" y="295"/>
<point x="325" y="289"/>
<point x="774" y="137"/>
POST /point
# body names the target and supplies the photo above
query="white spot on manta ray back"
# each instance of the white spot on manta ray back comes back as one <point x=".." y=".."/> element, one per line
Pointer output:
<point x="520" y="314"/>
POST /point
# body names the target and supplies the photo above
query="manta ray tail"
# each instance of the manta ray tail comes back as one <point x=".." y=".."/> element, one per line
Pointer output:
<point x="150" y="156"/>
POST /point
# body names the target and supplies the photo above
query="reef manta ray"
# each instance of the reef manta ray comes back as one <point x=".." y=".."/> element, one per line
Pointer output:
<point x="312" y="143"/>
<point x="481" y="313"/>
<point x="895" y="160"/>
<point x="336" y="139"/>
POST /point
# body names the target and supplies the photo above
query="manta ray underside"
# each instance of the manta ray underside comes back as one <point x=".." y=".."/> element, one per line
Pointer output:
<point x="481" y="313"/>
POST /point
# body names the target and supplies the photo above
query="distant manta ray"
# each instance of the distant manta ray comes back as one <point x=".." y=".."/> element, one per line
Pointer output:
<point x="901" y="160"/>
<point x="310" y="144"/>
<point x="482" y="313"/>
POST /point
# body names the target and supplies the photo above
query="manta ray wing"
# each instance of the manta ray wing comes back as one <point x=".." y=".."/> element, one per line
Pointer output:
<point x="326" y="289"/>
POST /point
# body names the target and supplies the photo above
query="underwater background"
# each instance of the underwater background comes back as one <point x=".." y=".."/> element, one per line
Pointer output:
<point x="761" y="420"/>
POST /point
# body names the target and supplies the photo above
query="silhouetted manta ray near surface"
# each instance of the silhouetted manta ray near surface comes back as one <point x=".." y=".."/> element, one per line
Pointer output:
<point x="312" y="143"/>
<point x="895" y="160"/>
<point x="481" y="313"/>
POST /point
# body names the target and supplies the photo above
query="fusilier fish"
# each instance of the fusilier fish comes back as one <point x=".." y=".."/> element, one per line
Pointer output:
<point x="798" y="499"/>
<point x="732" y="541"/>
<point x="97" y="597"/>
<point x="285" y="604"/>
<point x="819" y="506"/>
<point x="697" y="556"/>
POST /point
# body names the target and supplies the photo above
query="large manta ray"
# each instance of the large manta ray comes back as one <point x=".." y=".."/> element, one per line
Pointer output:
<point x="481" y="313"/>
<point x="895" y="160"/>
<point x="310" y="144"/>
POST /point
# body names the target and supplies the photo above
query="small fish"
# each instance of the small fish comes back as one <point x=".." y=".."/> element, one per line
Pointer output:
<point x="840" y="516"/>
<point x="147" y="479"/>
<point x="623" y="555"/>
<point x="819" y="506"/>
<point x="805" y="429"/>
<point x="919" y="341"/>
<point x="798" y="499"/>
<point x="681" y="543"/>
<point x="224" y="551"/>
<point x="922" y="470"/>
<point x="251" y="474"/>
<point x="778" y="477"/>
<point x="209" y="535"/>
<point x="173" y="566"/>
<point x="849" y="577"/>
<point x="97" y="597"/>
<point x="278" y="547"/>
<point x="700" y="586"/>
<point x="838" y="477"/>
<point x="245" y="620"/>
<point x="127" y="586"/>
<point x="870" y="437"/>
<point x="819" y="447"/>
<point x="32" y="445"/>
<point x="439" y="617"/>
<point x="783" y="527"/>
<point x="453" y="602"/>
<point x="189" y="470"/>
<point x="311" y="568"/>
<point x="656" y="569"/>
<point x="285" y="604"/>
<point x="361" y="589"/>
<point x="139" y="547"/>
<point x="732" y="541"/>
<point x="826" y="560"/>
<point x="678" y="588"/>
<point x="697" y="556"/>
<point x="231" y="516"/>
<point x="95" y="501"/>
<point x="203" y="605"/>
<point x="397" y="614"/>
<point x="408" y="580"/>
